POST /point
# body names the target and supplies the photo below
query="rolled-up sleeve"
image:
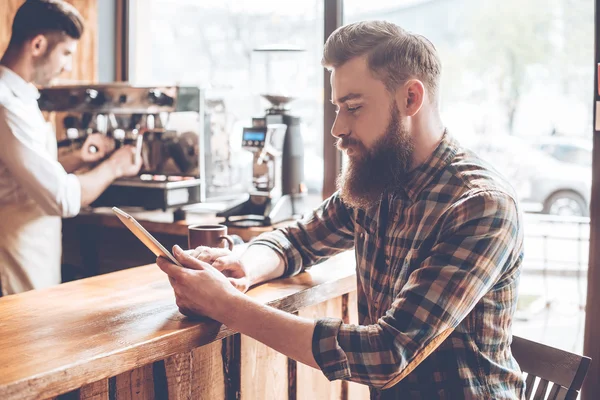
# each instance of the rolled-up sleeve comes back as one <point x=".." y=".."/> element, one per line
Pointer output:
<point x="41" y="176"/>
<point x="478" y="240"/>
<point x="326" y="231"/>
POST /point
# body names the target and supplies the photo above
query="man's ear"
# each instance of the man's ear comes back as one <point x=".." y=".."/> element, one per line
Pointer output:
<point x="410" y="97"/>
<point x="38" y="45"/>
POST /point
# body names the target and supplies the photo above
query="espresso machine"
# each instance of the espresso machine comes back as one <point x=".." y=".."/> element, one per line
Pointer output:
<point x="165" y="124"/>
<point x="275" y="141"/>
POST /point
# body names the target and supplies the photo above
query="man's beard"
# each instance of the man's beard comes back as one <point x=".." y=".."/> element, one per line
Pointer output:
<point x="384" y="166"/>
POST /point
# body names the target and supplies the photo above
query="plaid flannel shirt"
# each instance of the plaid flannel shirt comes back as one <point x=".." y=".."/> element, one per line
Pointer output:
<point x="438" y="266"/>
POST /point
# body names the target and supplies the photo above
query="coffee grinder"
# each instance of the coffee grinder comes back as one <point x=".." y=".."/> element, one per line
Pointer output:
<point x="277" y="169"/>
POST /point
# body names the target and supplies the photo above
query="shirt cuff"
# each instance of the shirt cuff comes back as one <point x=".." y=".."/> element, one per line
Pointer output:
<point x="328" y="354"/>
<point x="72" y="197"/>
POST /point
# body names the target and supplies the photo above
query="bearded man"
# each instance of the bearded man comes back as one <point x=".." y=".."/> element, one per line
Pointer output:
<point x="436" y="232"/>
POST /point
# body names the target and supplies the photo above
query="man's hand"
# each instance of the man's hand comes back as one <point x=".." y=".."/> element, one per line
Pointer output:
<point x="102" y="144"/>
<point x="227" y="263"/>
<point x="199" y="288"/>
<point x="126" y="162"/>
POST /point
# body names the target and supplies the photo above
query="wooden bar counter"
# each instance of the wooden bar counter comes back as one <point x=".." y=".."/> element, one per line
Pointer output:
<point x="120" y="336"/>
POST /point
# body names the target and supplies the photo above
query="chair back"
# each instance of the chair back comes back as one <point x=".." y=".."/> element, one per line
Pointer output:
<point x="547" y="366"/>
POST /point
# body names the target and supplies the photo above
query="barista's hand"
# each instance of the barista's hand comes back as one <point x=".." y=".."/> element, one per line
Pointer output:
<point x="102" y="144"/>
<point x="199" y="288"/>
<point x="126" y="162"/>
<point x="226" y="262"/>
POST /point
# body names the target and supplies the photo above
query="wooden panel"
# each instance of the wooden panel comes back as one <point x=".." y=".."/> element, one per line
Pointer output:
<point x="591" y="344"/>
<point x="178" y="371"/>
<point x="207" y="372"/>
<point x="312" y="384"/>
<point x="137" y="384"/>
<point x="8" y="9"/>
<point x="195" y="375"/>
<point x="355" y="390"/>
<point x="85" y="61"/>
<point x="100" y="327"/>
<point x="263" y="371"/>
<point x="94" y="391"/>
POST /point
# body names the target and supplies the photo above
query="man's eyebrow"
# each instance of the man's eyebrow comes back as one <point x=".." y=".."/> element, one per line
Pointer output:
<point x="349" y="96"/>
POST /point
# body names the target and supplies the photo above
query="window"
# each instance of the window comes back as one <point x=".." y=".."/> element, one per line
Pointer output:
<point x="516" y="72"/>
<point x="212" y="44"/>
<point x="569" y="154"/>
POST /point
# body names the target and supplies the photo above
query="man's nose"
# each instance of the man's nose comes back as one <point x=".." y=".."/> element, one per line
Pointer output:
<point x="339" y="128"/>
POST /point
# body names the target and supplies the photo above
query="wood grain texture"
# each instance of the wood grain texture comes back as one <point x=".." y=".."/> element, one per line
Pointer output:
<point x="263" y="371"/>
<point x="178" y="371"/>
<point x="195" y="375"/>
<point x="8" y="9"/>
<point x="312" y="384"/>
<point x="85" y="60"/>
<point x="62" y="338"/>
<point x="207" y="376"/>
<point x="94" y="391"/>
<point x="137" y="384"/>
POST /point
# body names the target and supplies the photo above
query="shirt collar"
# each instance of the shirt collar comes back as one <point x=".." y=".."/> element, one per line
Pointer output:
<point x="18" y="85"/>
<point x="421" y="176"/>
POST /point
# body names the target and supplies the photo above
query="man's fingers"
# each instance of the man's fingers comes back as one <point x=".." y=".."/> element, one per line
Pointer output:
<point x="187" y="260"/>
<point x="224" y="263"/>
<point x="210" y="254"/>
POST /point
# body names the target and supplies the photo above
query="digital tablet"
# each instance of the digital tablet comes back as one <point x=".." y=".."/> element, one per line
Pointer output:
<point x="145" y="236"/>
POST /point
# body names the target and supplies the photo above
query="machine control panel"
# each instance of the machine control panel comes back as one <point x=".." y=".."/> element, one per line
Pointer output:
<point x="254" y="138"/>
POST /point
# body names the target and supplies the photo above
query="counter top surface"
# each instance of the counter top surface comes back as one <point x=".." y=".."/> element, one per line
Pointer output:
<point x="61" y="338"/>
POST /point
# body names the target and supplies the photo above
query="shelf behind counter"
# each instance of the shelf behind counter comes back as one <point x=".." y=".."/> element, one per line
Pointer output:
<point x="96" y="242"/>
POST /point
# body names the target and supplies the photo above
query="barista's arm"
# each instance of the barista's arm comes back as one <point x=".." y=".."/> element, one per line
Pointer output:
<point x="95" y="148"/>
<point x="45" y="180"/>
<point x="28" y="161"/>
<point x="70" y="161"/>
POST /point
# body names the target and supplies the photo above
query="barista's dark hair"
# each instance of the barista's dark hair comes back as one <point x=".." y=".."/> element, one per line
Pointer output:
<point x="55" y="18"/>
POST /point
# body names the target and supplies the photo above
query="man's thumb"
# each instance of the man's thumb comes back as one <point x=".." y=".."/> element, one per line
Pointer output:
<point x="187" y="260"/>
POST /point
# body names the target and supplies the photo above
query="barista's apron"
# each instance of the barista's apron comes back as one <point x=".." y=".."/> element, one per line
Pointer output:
<point x="30" y="243"/>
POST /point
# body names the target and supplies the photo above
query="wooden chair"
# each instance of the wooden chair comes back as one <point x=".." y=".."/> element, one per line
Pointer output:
<point x="547" y="365"/>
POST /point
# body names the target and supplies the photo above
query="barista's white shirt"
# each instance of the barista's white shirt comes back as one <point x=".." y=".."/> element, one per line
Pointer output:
<point x="35" y="191"/>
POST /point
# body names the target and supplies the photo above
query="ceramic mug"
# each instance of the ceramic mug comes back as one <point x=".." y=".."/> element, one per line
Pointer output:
<point x="214" y="235"/>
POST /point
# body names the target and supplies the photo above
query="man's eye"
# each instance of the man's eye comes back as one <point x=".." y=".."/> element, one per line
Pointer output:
<point x="353" y="109"/>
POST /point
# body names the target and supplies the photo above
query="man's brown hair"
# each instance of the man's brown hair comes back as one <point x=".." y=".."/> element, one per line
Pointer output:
<point x="394" y="55"/>
<point x="46" y="17"/>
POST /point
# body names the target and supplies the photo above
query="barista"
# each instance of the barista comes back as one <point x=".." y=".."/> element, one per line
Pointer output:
<point x="36" y="187"/>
